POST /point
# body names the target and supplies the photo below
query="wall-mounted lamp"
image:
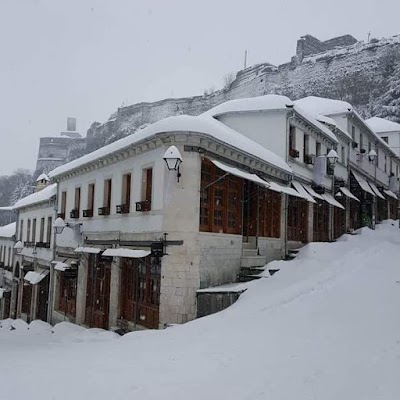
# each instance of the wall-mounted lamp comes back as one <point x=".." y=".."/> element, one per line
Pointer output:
<point x="60" y="225"/>
<point x="19" y="246"/>
<point x="372" y="155"/>
<point x="173" y="159"/>
<point x="332" y="157"/>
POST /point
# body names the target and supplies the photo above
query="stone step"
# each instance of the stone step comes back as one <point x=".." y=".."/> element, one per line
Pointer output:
<point x="252" y="261"/>
<point x="249" y="245"/>
<point x="248" y="278"/>
<point x="249" y="252"/>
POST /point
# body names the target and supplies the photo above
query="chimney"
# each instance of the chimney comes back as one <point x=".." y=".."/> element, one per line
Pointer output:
<point x="71" y="124"/>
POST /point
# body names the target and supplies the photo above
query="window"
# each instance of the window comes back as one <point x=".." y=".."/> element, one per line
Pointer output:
<point x="49" y="229"/>
<point x="391" y="166"/>
<point x="306" y="151"/>
<point x="385" y="165"/>
<point x="77" y="203"/>
<point x="318" y="150"/>
<point x="147" y="184"/>
<point x="386" y="139"/>
<point x="28" y="232"/>
<point x="107" y="193"/>
<point x="361" y="141"/>
<point x="21" y="230"/>
<point x="343" y="155"/>
<point x="292" y="138"/>
<point x="369" y="146"/>
<point x="34" y="230"/>
<point x="90" y="204"/>
<point x="63" y="204"/>
<point x="41" y="233"/>
<point x="353" y="133"/>
<point x="126" y="190"/>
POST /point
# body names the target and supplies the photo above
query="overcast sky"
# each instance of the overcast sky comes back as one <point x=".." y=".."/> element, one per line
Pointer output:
<point x="86" y="58"/>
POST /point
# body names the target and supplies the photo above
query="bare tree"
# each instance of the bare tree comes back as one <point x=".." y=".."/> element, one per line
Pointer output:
<point x="228" y="80"/>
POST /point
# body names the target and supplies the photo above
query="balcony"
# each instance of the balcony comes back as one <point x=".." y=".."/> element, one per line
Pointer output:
<point x="122" y="209"/>
<point x="294" y="153"/>
<point x="309" y="159"/>
<point x="87" y="213"/>
<point x="42" y="245"/>
<point x="74" y="213"/>
<point x="142" y="206"/>
<point x="104" y="211"/>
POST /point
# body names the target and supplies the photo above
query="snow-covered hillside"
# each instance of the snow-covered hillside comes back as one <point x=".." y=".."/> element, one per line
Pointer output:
<point x="326" y="326"/>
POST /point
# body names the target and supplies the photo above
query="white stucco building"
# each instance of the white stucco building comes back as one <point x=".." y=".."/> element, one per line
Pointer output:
<point x="7" y="236"/>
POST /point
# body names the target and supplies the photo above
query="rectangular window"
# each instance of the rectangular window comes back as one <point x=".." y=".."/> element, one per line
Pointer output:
<point x="63" y="204"/>
<point x="126" y="190"/>
<point x="90" y="204"/>
<point x="391" y="166"/>
<point x="21" y="231"/>
<point x="41" y="234"/>
<point x="306" y="151"/>
<point x="385" y="166"/>
<point x="107" y="193"/>
<point x="34" y="230"/>
<point x="77" y="203"/>
<point x="318" y="150"/>
<point x="353" y="133"/>
<point x="369" y="146"/>
<point x="28" y="231"/>
<point x="386" y="139"/>
<point x="49" y="229"/>
<point x="343" y="155"/>
<point x="147" y="185"/>
<point x="361" y="141"/>
<point x="292" y="138"/>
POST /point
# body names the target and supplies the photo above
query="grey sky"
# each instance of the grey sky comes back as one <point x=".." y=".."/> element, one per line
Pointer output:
<point x="86" y="58"/>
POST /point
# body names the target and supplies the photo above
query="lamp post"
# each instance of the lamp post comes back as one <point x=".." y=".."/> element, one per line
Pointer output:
<point x="173" y="159"/>
<point x="19" y="246"/>
<point x="332" y="158"/>
<point x="372" y="156"/>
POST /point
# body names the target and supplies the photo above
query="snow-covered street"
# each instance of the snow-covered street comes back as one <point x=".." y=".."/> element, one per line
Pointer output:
<point x="326" y="326"/>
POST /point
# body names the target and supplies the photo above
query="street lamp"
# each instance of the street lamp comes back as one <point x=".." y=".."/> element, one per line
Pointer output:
<point x="19" y="246"/>
<point x="59" y="226"/>
<point x="372" y="155"/>
<point x="332" y="158"/>
<point x="173" y="159"/>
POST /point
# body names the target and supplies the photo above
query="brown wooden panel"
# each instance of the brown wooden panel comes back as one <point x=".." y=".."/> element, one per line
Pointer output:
<point x="297" y="219"/>
<point x="321" y="221"/>
<point x="42" y="298"/>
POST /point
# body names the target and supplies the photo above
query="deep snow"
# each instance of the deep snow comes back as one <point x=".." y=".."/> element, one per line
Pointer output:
<point x="326" y="326"/>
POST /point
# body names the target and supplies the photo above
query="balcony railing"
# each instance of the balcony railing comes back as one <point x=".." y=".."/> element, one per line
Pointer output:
<point x="143" y="206"/>
<point x="88" y="213"/>
<point x="74" y="213"/>
<point x="122" y="208"/>
<point x="294" y="153"/>
<point x="104" y="211"/>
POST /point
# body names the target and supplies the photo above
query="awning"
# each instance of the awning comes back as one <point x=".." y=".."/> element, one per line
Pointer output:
<point x="128" y="253"/>
<point x="89" y="250"/>
<point x="299" y="187"/>
<point x="276" y="187"/>
<point x="34" y="277"/>
<point x="2" y="291"/>
<point x="62" y="265"/>
<point x="391" y="194"/>
<point x="239" y="173"/>
<point x="331" y="200"/>
<point x="363" y="183"/>
<point x="376" y="191"/>
<point x="312" y="192"/>
<point x="347" y="193"/>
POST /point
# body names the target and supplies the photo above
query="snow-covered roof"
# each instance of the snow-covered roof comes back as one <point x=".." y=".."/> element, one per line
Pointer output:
<point x="43" y="195"/>
<point x="8" y="231"/>
<point x="260" y="103"/>
<point x="382" y="125"/>
<point x="183" y="123"/>
<point x="322" y="106"/>
<point x="268" y="102"/>
<point x="43" y="177"/>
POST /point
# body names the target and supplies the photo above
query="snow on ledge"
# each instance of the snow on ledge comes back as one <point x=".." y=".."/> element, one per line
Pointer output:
<point x="39" y="197"/>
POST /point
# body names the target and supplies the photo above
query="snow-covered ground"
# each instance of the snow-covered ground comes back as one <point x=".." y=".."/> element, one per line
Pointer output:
<point x="326" y="326"/>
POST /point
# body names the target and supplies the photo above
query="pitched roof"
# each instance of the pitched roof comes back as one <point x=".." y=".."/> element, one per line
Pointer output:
<point x="39" y="197"/>
<point x="268" y="102"/>
<point x="8" y="231"/>
<point x="201" y="124"/>
<point x="382" y="125"/>
<point x="323" y="106"/>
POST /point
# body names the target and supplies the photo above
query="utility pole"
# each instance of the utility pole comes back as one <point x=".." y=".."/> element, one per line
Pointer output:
<point x="245" y="59"/>
<point x="369" y="36"/>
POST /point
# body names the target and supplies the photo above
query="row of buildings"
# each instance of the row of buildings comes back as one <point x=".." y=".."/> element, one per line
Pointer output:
<point x="125" y="237"/>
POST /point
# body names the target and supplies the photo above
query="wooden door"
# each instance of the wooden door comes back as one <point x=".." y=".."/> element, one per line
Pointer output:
<point x="42" y="298"/>
<point x="297" y="219"/>
<point x="140" y="291"/>
<point x="26" y="300"/>
<point x="7" y="304"/>
<point x="98" y="292"/>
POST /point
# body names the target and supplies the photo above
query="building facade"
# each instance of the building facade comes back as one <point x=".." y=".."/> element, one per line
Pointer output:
<point x="7" y="237"/>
